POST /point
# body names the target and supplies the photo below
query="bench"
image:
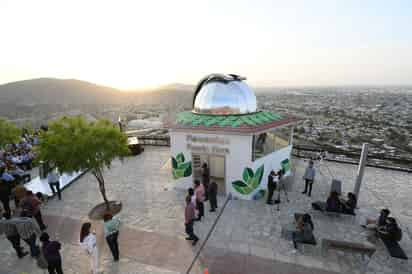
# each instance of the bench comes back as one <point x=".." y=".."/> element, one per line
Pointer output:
<point x="363" y="249"/>
<point x="394" y="249"/>
<point x="322" y="208"/>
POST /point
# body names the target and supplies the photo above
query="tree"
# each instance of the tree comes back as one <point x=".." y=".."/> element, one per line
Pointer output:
<point x="9" y="133"/>
<point x="72" y="144"/>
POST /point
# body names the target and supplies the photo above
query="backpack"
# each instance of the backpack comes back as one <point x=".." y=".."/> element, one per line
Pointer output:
<point x="398" y="234"/>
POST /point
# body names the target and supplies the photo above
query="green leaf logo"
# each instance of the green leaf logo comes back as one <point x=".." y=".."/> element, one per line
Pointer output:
<point x="180" y="168"/>
<point x="180" y="158"/>
<point x="285" y="164"/>
<point x="247" y="174"/>
<point x="174" y="163"/>
<point x="251" y="180"/>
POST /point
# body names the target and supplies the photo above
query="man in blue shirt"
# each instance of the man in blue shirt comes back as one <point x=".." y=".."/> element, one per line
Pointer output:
<point x="54" y="182"/>
<point x="309" y="178"/>
<point x="5" y="176"/>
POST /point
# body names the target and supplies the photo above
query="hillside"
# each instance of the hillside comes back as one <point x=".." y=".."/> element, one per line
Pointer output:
<point x="51" y="91"/>
<point x="56" y="91"/>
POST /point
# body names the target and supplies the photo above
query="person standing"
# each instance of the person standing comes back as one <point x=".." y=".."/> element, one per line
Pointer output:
<point x="111" y="233"/>
<point x="31" y="204"/>
<point x="200" y="195"/>
<point x="12" y="235"/>
<point x="309" y="178"/>
<point x="5" y="192"/>
<point x="19" y="194"/>
<point x="191" y="194"/>
<point x="206" y="179"/>
<point x="189" y="219"/>
<point x="213" y="196"/>
<point x="28" y="230"/>
<point x="271" y="187"/>
<point x="51" y="252"/>
<point x="89" y="243"/>
<point x="54" y="183"/>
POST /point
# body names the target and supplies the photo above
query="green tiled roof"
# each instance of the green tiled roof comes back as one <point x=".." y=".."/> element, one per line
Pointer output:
<point x="254" y="119"/>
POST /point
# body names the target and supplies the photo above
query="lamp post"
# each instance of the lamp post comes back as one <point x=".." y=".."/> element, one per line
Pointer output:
<point x="361" y="168"/>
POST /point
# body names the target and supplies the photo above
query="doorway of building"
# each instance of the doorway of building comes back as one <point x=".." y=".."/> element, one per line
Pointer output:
<point x="216" y="166"/>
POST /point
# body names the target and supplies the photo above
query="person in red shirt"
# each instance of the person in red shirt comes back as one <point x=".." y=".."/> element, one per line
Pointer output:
<point x="200" y="197"/>
<point x="189" y="218"/>
<point x="31" y="204"/>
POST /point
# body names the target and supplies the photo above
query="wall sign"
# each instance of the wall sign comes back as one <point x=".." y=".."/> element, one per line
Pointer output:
<point x="201" y="144"/>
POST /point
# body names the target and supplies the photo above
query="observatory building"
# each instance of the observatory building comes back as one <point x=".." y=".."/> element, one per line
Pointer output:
<point x="225" y="130"/>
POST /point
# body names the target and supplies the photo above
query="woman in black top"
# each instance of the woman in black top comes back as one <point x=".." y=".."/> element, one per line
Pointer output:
<point x="348" y="206"/>
<point x="51" y="252"/>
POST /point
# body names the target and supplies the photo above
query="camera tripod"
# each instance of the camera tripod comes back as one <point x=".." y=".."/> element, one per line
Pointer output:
<point x="281" y="187"/>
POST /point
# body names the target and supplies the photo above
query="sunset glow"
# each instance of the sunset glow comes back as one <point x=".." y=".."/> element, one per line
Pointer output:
<point x="138" y="44"/>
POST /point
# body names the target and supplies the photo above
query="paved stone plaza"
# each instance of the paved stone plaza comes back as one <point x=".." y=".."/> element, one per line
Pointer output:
<point x="247" y="238"/>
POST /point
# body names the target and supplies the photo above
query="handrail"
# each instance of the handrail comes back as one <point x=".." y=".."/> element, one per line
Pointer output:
<point x="229" y="197"/>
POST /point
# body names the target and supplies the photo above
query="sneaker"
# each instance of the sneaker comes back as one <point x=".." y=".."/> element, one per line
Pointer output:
<point x="195" y="242"/>
<point x="294" y="251"/>
<point x="364" y="226"/>
<point x="188" y="239"/>
<point x="212" y="210"/>
<point x="304" y="192"/>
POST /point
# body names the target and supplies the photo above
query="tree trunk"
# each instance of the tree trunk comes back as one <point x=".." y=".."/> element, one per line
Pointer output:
<point x="99" y="176"/>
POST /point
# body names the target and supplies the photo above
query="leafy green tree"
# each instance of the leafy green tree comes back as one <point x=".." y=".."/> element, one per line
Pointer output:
<point x="73" y="144"/>
<point x="9" y="133"/>
<point x="28" y="128"/>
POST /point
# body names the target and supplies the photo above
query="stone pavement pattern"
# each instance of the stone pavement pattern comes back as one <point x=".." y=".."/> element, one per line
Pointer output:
<point x="247" y="238"/>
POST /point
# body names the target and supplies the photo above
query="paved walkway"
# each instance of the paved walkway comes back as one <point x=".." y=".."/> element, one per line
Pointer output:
<point x="246" y="240"/>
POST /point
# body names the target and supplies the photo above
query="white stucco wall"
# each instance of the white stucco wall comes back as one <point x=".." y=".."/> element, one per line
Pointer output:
<point x="238" y="158"/>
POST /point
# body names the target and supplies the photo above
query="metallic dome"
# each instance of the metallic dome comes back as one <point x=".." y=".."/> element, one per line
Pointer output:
<point x="220" y="94"/>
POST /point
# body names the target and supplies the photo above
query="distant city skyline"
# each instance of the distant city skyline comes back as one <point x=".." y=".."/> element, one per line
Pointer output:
<point x="133" y="44"/>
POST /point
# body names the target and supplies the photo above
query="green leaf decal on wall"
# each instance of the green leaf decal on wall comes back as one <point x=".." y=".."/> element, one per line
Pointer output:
<point x="285" y="165"/>
<point x="241" y="187"/>
<point x="174" y="163"/>
<point x="188" y="171"/>
<point x="180" y="158"/>
<point x="180" y="168"/>
<point x="258" y="177"/>
<point x="247" y="174"/>
<point x="251" y="180"/>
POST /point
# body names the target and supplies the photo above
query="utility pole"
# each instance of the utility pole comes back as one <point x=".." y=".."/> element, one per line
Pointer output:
<point x="361" y="168"/>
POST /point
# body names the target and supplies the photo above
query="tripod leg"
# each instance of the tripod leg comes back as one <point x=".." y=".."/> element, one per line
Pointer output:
<point x="278" y="199"/>
<point x="286" y="194"/>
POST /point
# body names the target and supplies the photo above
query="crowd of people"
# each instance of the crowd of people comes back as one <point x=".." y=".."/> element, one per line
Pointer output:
<point x="27" y="224"/>
<point x="196" y="196"/>
<point x="385" y="227"/>
<point x="16" y="161"/>
<point x="335" y="203"/>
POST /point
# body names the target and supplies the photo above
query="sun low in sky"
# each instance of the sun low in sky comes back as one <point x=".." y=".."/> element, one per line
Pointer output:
<point x="139" y="44"/>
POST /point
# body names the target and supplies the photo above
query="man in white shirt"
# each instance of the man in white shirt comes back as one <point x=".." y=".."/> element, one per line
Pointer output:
<point x="53" y="179"/>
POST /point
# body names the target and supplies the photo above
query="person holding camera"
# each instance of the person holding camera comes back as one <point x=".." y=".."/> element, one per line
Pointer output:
<point x="271" y="187"/>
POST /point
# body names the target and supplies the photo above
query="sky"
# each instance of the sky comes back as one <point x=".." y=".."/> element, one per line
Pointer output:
<point x="140" y="44"/>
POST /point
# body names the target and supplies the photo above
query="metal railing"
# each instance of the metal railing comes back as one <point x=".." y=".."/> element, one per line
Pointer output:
<point x="229" y="197"/>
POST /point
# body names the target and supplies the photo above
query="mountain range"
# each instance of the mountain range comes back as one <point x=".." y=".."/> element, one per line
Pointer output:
<point x="52" y="91"/>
